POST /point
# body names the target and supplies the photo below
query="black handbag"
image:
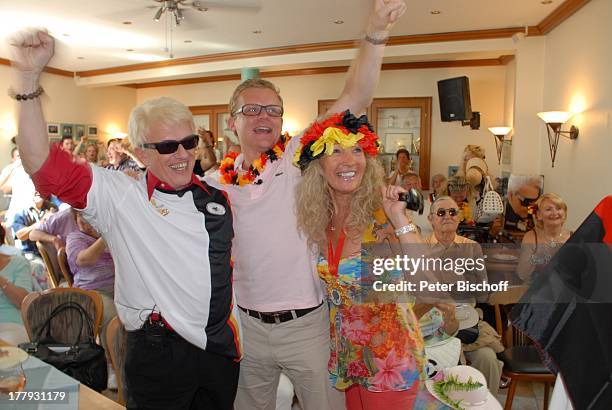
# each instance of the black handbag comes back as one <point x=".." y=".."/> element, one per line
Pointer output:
<point x="83" y="361"/>
<point x="469" y="335"/>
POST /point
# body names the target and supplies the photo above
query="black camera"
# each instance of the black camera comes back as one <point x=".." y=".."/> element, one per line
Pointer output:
<point x="414" y="200"/>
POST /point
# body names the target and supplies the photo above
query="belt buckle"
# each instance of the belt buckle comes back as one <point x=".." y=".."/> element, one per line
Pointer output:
<point x="276" y="316"/>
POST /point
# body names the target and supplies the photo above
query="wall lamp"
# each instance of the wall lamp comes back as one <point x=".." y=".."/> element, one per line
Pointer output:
<point x="500" y="133"/>
<point x="554" y="120"/>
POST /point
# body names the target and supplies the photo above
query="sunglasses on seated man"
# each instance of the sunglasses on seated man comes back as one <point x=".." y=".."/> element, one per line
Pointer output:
<point x="451" y="212"/>
<point x="253" y="110"/>
<point x="170" y="146"/>
<point x="525" y="201"/>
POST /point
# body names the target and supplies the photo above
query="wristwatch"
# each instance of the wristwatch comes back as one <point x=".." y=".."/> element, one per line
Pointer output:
<point x="409" y="228"/>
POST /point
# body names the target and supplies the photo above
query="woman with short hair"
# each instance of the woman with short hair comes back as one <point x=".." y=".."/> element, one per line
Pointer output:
<point x="539" y="245"/>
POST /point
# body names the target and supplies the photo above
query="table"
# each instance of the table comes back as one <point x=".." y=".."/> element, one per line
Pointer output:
<point x="87" y="398"/>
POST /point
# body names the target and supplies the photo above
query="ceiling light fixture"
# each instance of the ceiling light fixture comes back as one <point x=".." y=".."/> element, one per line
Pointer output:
<point x="159" y="13"/>
<point x="127" y="23"/>
<point x="187" y="41"/>
<point x="546" y="2"/>
<point x="338" y="21"/>
<point x="435" y="12"/>
<point x="257" y="31"/>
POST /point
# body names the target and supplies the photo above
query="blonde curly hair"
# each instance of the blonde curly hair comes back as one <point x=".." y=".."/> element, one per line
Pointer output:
<point x="315" y="206"/>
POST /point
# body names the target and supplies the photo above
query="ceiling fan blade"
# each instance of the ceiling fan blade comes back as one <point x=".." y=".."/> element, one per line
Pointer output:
<point x="243" y="5"/>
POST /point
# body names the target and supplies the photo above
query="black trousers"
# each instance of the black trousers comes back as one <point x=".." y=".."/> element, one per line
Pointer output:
<point x="164" y="371"/>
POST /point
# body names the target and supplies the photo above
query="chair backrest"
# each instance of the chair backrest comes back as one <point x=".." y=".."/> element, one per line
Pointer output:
<point x="116" y="337"/>
<point x="62" y="259"/>
<point x="38" y="306"/>
<point x="503" y="302"/>
<point x="49" y="256"/>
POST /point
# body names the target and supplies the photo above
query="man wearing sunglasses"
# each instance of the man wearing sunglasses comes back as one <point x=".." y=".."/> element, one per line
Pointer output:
<point x="170" y="236"/>
<point x="523" y="191"/>
<point x="444" y="242"/>
<point x="285" y="321"/>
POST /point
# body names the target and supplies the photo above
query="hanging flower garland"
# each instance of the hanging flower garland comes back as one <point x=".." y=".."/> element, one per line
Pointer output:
<point x="231" y="176"/>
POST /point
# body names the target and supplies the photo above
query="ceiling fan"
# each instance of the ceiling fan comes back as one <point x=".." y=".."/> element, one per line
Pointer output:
<point x="173" y="8"/>
<point x="176" y="8"/>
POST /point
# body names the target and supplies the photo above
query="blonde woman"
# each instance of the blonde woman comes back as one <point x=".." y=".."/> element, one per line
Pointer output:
<point x="540" y="244"/>
<point x="377" y="354"/>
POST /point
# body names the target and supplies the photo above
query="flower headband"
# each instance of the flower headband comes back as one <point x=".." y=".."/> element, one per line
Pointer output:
<point x="342" y="128"/>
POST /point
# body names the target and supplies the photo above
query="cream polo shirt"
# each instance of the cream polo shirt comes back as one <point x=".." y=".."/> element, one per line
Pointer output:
<point x="274" y="269"/>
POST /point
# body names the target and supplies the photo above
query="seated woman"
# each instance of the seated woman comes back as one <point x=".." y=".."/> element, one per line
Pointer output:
<point x="92" y="265"/>
<point x="15" y="284"/>
<point x="377" y="352"/>
<point x="540" y="244"/>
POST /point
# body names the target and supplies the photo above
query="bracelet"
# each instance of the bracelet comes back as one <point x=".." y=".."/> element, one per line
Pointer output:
<point x="410" y="228"/>
<point x="24" y="97"/>
<point x="376" y="41"/>
<point x="5" y="285"/>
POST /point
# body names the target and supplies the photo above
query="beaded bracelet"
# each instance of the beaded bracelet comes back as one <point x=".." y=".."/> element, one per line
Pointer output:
<point x="375" y="41"/>
<point x="24" y="97"/>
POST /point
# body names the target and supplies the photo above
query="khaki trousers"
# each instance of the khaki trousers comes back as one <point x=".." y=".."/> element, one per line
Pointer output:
<point x="300" y="349"/>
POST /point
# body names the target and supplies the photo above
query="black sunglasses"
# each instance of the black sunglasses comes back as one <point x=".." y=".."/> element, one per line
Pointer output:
<point x="526" y="201"/>
<point x="253" y="110"/>
<point x="451" y="212"/>
<point x="170" y="146"/>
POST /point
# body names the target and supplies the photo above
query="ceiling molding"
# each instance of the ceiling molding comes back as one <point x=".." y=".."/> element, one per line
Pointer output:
<point x="315" y="47"/>
<point x="560" y="14"/>
<point x="505" y="59"/>
<point x="329" y="70"/>
<point x="50" y="70"/>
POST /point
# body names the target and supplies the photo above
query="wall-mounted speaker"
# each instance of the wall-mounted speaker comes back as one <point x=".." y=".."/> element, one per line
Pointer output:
<point x="454" y="94"/>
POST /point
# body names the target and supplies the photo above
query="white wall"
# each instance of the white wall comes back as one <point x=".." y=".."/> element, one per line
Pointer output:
<point x="63" y="101"/>
<point x="300" y="95"/>
<point x="577" y="73"/>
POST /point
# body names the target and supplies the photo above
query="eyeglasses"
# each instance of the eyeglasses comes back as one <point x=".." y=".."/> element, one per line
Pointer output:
<point x="170" y="146"/>
<point x="451" y="212"/>
<point x="253" y="110"/>
<point x="525" y="201"/>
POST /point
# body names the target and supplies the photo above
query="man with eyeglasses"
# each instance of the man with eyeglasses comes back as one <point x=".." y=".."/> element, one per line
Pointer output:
<point x="285" y="321"/>
<point x="170" y="236"/>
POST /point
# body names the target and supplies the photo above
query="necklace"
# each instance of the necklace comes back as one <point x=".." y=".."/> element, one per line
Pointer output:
<point x="230" y="176"/>
<point x="554" y="241"/>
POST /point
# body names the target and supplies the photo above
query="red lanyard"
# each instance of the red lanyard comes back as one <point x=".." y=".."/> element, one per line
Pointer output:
<point x="333" y="259"/>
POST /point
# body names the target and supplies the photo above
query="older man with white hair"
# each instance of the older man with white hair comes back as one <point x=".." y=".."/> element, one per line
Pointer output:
<point x="170" y="235"/>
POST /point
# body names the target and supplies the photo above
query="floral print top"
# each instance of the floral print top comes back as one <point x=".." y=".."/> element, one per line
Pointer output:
<point x="375" y="344"/>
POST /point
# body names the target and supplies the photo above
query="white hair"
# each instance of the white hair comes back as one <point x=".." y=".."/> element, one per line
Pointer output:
<point x="164" y="110"/>
<point x="517" y="181"/>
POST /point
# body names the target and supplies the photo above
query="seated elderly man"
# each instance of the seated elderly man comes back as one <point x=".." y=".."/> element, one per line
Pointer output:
<point x="170" y="235"/>
<point x="444" y="217"/>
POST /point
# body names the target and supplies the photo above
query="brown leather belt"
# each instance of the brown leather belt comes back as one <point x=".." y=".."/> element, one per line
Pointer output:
<point x="280" y="316"/>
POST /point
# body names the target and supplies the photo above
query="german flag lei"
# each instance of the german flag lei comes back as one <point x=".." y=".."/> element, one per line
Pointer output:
<point x="230" y="176"/>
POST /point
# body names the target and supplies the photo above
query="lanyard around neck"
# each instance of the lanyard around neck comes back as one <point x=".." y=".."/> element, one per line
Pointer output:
<point x="333" y="258"/>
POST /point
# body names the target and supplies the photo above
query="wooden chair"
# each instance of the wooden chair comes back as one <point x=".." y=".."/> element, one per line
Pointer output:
<point x="521" y="359"/>
<point x="62" y="260"/>
<point x="37" y="306"/>
<point x="116" y="337"/>
<point x="49" y="256"/>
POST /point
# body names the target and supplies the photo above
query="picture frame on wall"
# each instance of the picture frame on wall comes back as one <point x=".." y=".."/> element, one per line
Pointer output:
<point x="53" y="129"/>
<point x="67" y="130"/>
<point x="79" y="131"/>
<point x="92" y="130"/>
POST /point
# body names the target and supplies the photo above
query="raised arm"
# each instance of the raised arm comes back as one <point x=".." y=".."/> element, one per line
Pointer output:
<point x="31" y="50"/>
<point x="365" y="70"/>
